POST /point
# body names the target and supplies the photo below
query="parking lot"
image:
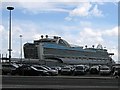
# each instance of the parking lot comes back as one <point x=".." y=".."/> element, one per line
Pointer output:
<point x="66" y="70"/>
<point x="67" y="77"/>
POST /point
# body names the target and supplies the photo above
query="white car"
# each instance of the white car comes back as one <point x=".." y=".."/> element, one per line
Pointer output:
<point x="105" y="70"/>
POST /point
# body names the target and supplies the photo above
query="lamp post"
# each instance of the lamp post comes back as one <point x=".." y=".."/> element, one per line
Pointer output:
<point x="10" y="9"/>
<point x="21" y="48"/>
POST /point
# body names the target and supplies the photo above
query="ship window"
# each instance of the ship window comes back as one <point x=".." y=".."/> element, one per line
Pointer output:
<point x="64" y="43"/>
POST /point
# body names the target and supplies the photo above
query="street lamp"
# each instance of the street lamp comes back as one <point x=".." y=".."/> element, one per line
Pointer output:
<point x="10" y="9"/>
<point x="21" y="48"/>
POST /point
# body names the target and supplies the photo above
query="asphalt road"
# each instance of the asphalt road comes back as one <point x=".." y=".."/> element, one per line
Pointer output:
<point x="59" y="83"/>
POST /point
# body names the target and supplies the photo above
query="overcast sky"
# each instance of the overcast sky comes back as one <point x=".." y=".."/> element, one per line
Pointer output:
<point x="79" y="23"/>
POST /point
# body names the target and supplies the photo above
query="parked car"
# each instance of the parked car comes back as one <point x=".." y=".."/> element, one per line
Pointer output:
<point x="29" y="70"/>
<point x="80" y="70"/>
<point x="105" y="70"/>
<point x="87" y="68"/>
<point x="94" y="70"/>
<point x="58" y="68"/>
<point x="51" y="71"/>
<point x="114" y="68"/>
<point x="66" y="70"/>
<point x="117" y="71"/>
<point x="9" y="68"/>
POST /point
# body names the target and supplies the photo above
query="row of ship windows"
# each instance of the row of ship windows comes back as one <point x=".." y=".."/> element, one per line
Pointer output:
<point x="83" y="58"/>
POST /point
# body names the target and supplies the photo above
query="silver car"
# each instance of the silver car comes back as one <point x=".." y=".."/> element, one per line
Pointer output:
<point x="66" y="70"/>
<point x="105" y="70"/>
<point x="79" y="70"/>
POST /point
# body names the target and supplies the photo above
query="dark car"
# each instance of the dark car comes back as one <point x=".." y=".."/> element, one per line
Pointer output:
<point x="94" y="70"/>
<point x="80" y="70"/>
<point x="29" y="70"/>
<point x="52" y="72"/>
<point x="58" y="68"/>
<point x="9" y="68"/>
<point x="87" y="68"/>
<point x="46" y="68"/>
<point x="117" y="70"/>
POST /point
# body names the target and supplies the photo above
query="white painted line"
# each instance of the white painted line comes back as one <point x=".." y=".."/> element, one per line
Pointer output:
<point x="58" y="86"/>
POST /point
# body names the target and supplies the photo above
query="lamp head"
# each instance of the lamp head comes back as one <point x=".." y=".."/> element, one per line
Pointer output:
<point x="10" y="8"/>
<point x="20" y="35"/>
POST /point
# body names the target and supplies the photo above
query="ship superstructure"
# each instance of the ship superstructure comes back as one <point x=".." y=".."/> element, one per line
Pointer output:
<point x="58" y="49"/>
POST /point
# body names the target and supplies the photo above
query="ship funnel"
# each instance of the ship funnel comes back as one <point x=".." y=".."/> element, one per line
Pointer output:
<point x="46" y="36"/>
<point x="42" y="36"/>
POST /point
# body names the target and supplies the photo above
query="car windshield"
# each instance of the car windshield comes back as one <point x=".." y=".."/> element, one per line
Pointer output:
<point x="66" y="68"/>
<point x="79" y="67"/>
<point x="10" y="66"/>
<point x="104" y="68"/>
<point x="40" y="68"/>
<point x="47" y="67"/>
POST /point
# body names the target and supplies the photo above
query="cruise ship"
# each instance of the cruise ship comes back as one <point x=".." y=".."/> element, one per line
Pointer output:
<point x="57" y="49"/>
